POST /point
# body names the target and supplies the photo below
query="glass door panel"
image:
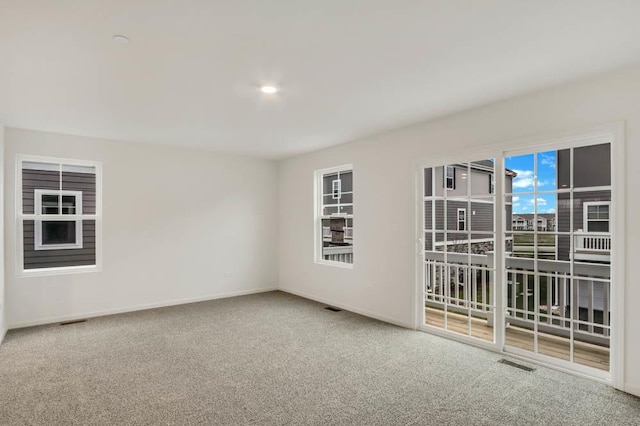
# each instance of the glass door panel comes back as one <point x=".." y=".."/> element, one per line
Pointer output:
<point x="458" y="245"/>
<point x="557" y="254"/>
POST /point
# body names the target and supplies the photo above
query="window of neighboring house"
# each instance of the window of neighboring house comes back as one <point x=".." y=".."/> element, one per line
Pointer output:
<point x="336" y="188"/>
<point x="59" y="215"/>
<point x="450" y="177"/>
<point x="334" y="217"/>
<point x="53" y="234"/>
<point x="596" y="216"/>
<point x="462" y="219"/>
<point x="492" y="183"/>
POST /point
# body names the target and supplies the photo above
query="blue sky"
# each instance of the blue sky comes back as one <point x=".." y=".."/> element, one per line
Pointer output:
<point x="525" y="181"/>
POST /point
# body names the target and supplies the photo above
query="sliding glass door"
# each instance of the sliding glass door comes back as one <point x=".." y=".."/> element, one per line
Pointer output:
<point x="516" y="253"/>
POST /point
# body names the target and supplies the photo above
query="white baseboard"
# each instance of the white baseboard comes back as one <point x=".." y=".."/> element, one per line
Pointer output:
<point x="3" y="333"/>
<point x="358" y="311"/>
<point x="164" y="304"/>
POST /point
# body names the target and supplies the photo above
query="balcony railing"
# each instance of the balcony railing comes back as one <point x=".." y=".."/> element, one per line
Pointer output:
<point x="338" y="254"/>
<point x="600" y="243"/>
<point x="549" y="297"/>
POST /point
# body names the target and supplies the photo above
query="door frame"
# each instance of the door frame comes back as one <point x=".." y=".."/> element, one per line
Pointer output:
<point x="607" y="133"/>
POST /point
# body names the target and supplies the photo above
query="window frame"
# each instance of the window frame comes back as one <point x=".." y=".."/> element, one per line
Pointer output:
<point x="613" y="133"/>
<point x="20" y="217"/>
<point x="586" y="220"/>
<point x="319" y="231"/>
<point x="39" y="223"/>
<point x="464" y="221"/>
<point x="446" y="178"/>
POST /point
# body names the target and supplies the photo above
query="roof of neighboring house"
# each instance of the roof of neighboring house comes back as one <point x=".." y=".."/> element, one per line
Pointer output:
<point x="529" y="216"/>
<point x="488" y="166"/>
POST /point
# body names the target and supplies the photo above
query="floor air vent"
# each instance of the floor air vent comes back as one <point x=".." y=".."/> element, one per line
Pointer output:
<point x="332" y="309"/>
<point x="516" y="365"/>
<point x="73" y="322"/>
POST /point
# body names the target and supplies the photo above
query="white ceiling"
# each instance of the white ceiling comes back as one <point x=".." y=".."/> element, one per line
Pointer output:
<point x="347" y="68"/>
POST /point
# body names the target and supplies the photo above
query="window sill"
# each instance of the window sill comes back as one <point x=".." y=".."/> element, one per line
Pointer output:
<point x="342" y="265"/>
<point x="74" y="246"/>
<point x="26" y="273"/>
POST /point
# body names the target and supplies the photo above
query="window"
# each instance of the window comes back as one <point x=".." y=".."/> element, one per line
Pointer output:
<point x="57" y="234"/>
<point x="334" y="218"/>
<point x="59" y="215"/>
<point x="596" y="216"/>
<point x="336" y="188"/>
<point x="492" y="184"/>
<point x="462" y="219"/>
<point x="450" y="177"/>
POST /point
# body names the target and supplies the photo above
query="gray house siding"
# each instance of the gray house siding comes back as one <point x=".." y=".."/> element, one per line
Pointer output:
<point x="564" y="216"/>
<point x="37" y="259"/>
<point x="592" y="167"/>
<point x="346" y="181"/>
<point x="479" y="219"/>
<point x="428" y="182"/>
<point x="480" y="182"/>
<point x="71" y="181"/>
<point x="36" y="179"/>
<point x="479" y="213"/>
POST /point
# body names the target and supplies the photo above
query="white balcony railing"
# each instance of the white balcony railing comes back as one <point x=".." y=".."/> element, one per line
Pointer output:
<point x="600" y="243"/>
<point x="553" y="299"/>
<point x="338" y="254"/>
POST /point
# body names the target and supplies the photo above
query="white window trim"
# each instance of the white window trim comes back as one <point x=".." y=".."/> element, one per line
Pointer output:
<point x="37" y="194"/>
<point x="318" y="203"/>
<point x="585" y="215"/>
<point x="464" y="221"/>
<point x="446" y="178"/>
<point x="336" y="189"/>
<point x="613" y="133"/>
<point x="20" y="217"/>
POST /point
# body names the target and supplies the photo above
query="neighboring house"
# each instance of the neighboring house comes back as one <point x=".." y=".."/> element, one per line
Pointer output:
<point x="336" y="214"/>
<point x="55" y="194"/>
<point x="524" y="222"/>
<point x="469" y="190"/>
<point x="591" y="219"/>
<point x="591" y="208"/>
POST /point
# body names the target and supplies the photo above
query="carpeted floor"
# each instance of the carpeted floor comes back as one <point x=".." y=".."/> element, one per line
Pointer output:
<point x="274" y="358"/>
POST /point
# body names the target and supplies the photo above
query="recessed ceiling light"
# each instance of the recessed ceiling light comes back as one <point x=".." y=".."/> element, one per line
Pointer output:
<point x="121" y="39"/>
<point x="269" y="89"/>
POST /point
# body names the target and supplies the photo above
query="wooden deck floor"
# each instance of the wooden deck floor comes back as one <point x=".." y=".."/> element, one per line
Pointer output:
<point x="558" y="347"/>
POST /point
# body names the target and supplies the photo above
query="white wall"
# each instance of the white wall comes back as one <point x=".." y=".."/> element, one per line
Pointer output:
<point x="174" y="222"/>
<point x="3" y="321"/>
<point x="382" y="281"/>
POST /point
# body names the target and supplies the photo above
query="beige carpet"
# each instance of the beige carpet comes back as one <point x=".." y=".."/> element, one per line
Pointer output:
<point x="277" y="359"/>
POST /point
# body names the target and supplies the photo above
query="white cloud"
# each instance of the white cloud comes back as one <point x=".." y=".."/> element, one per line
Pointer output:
<point x="551" y="210"/>
<point x="547" y="160"/>
<point x="541" y="202"/>
<point x="523" y="180"/>
<point x="526" y="178"/>
<point x="551" y="183"/>
<point x="515" y="199"/>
